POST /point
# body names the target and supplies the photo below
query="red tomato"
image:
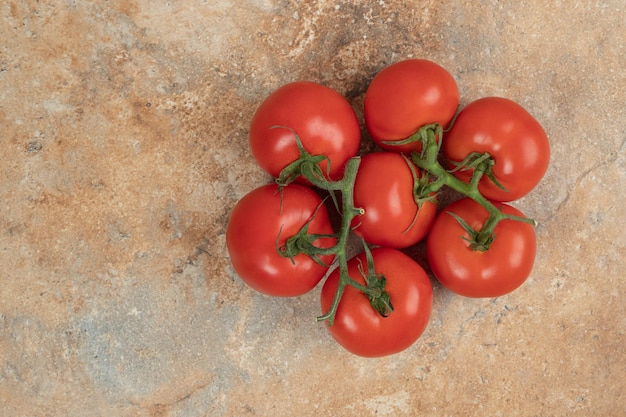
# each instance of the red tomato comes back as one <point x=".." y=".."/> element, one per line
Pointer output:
<point x="321" y="117"/>
<point x="406" y="96"/>
<point x="384" y="189"/>
<point x="254" y="227"/>
<point x="492" y="273"/>
<point x="362" y="330"/>
<point x="515" y="140"/>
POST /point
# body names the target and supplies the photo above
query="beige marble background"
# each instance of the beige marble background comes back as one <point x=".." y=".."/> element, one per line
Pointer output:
<point x="123" y="143"/>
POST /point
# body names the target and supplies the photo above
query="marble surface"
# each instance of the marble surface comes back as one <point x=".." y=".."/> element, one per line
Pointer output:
<point x="123" y="133"/>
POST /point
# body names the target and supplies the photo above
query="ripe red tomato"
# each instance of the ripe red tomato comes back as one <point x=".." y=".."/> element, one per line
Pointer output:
<point x="515" y="140"/>
<point x="322" y="118"/>
<point x="492" y="273"/>
<point x="406" y="96"/>
<point x="254" y="227"/>
<point x="362" y="330"/>
<point x="384" y="189"/>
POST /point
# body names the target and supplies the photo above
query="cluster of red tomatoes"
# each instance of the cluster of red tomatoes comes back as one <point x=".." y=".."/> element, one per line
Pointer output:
<point x="280" y="236"/>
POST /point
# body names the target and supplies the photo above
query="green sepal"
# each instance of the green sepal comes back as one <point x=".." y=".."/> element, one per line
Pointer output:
<point x="424" y="135"/>
<point x="421" y="189"/>
<point x="380" y="300"/>
<point x="303" y="242"/>
<point x="304" y="165"/>
<point x="477" y="241"/>
<point x="480" y="162"/>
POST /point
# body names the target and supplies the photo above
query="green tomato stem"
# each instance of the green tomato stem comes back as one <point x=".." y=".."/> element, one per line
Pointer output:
<point x="303" y="242"/>
<point x="346" y="187"/>
<point x="427" y="160"/>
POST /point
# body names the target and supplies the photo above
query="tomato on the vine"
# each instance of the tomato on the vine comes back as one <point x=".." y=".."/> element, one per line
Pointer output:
<point x="405" y="96"/>
<point x="261" y="222"/>
<point x="362" y="330"/>
<point x="384" y="190"/>
<point x="502" y="268"/>
<point x="281" y="241"/>
<point x="512" y="136"/>
<point x="322" y="118"/>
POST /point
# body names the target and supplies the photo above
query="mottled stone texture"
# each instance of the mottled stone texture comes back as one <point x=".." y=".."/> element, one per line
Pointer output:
<point x="123" y="133"/>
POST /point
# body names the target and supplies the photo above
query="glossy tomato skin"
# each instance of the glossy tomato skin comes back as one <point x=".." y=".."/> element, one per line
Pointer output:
<point x="384" y="189"/>
<point x="253" y="228"/>
<point x="511" y="135"/>
<point x="322" y="118"/>
<point x="362" y="330"/>
<point x="501" y="269"/>
<point x="406" y="96"/>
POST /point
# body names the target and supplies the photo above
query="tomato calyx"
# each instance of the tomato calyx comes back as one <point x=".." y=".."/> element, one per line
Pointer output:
<point x="482" y="164"/>
<point x="426" y="133"/>
<point x="375" y="289"/>
<point x="421" y="189"/>
<point x="303" y="242"/>
<point x="306" y="163"/>
<point x="478" y="240"/>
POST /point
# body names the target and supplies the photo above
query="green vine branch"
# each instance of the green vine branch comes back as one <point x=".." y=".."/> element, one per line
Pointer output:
<point x="481" y="164"/>
<point x="308" y="167"/>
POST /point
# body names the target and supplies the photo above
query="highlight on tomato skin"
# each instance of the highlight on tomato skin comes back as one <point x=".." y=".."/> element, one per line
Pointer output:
<point x="504" y="267"/>
<point x="261" y="222"/>
<point x="515" y="140"/>
<point x="363" y="331"/>
<point x="406" y="96"/>
<point x="323" y="119"/>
